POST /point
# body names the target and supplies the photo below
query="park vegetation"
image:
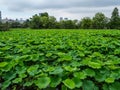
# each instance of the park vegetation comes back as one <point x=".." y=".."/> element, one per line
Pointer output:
<point x="4" y="26"/>
<point x="44" y="21"/>
<point x="99" y="21"/>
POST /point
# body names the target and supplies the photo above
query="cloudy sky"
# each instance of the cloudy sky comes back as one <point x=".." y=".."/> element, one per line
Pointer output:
<point x="72" y="9"/>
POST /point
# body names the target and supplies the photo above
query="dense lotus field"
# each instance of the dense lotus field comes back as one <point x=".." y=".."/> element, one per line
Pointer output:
<point x="60" y="60"/>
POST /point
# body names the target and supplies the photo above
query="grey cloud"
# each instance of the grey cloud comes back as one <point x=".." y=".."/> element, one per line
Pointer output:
<point x="90" y="9"/>
<point x="23" y="5"/>
<point x="97" y="3"/>
<point x="58" y="8"/>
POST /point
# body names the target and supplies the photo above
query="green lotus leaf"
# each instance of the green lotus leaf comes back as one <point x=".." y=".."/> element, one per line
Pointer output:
<point x="42" y="82"/>
<point x="3" y="64"/>
<point x="69" y="83"/>
<point x="32" y="70"/>
<point x="55" y="81"/>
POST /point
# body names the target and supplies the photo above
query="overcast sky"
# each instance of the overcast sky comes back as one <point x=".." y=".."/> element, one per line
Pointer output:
<point x="72" y="9"/>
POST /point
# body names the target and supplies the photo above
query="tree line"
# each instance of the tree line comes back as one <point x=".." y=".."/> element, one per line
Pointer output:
<point x="99" y="21"/>
<point x="44" y="21"/>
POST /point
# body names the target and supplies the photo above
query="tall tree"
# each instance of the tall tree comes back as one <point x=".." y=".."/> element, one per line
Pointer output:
<point x="52" y="22"/>
<point x="86" y="23"/>
<point x="43" y="20"/>
<point x="99" y="21"/>
<point x="45" y="14"/>
<point x="115" y="19"/>
<point x="35" y="22"/>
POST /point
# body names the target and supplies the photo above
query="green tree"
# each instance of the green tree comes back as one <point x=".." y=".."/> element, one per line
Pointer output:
<point x="75" y="22"/>
<point x="52" y="22"/>
<point x="67" y="24"/>
<point x="43" y="20"/>
<point x="99" y="21"/>
<point x="115" y="19"/>
<point x="35" y="22"/>
<point x="86" y="23"/>
<point x="26" y="23"/>
<point x="4" y="26"/>
<point x="45" y="14"/>
<point x="15" y="24"/>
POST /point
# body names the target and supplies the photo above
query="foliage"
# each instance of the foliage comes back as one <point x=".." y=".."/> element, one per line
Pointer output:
<point x="4" y="26"/>
<point x="99" y="21"/>
<point x="86" y="23"/>
<point x="35" y="22"/>
<point x="60" y="59"/>
<point x="15" y="24"/>
<point x="43" y="20"/>
<point x="115" y="19"/>
<point x="67" y="24"/>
